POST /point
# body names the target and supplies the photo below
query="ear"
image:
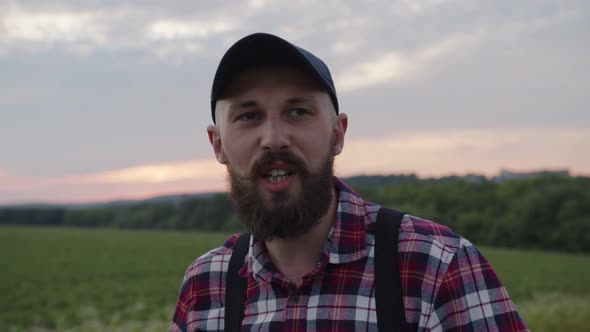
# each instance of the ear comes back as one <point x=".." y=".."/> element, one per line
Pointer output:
<point x="215" y="140"/>
<point x="340" y="127"/>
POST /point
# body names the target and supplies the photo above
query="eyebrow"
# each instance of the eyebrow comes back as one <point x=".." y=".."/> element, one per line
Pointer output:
<point x="297" y="100"/>
<point x="246" y="104"/>
<point x="243" y="104"/>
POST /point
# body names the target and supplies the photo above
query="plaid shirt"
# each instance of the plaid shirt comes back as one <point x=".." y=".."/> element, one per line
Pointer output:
<point x="447" y="283"/>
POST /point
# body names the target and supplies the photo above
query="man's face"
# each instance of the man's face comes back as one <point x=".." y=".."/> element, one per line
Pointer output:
<point x="277" y="132"/>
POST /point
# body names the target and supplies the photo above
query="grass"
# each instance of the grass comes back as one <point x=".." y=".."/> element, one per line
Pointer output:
<point x="58" y="279"/>
<point x="550" y="290"/>
<point x="52" y="277"/>
<point x="528" y="273"/>
<point x="556" y="312"/>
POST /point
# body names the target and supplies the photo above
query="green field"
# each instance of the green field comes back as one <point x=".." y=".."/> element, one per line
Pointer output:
<point x="56" y="279"/>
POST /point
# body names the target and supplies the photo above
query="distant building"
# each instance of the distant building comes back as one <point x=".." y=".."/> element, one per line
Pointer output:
<point x="506" y="175"/>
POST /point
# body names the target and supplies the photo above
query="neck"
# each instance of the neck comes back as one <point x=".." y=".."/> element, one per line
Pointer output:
<point x="296" y="257"/>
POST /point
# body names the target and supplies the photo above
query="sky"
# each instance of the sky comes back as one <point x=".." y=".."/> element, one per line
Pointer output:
<point x="105" y="100"/>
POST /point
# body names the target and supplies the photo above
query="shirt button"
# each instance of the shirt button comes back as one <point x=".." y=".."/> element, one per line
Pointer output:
<point x="294" y="299"/>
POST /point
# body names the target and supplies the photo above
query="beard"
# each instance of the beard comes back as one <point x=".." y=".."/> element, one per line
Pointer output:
<point x="286" y="215"/>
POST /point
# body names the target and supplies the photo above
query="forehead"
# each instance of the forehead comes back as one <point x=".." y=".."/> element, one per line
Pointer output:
<point x="272" y="76"/>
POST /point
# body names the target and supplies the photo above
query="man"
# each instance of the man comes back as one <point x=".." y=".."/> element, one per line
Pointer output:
<point x="310" y="260"/>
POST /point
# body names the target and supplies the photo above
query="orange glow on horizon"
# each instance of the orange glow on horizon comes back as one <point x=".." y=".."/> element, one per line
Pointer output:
<point x="456" y="152"/>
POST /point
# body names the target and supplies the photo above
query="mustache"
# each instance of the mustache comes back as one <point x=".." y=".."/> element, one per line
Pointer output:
<point x="270" y="157"/>
<point x="267" y="158"/>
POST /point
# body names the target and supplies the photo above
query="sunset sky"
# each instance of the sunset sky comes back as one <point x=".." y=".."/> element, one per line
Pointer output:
<point x="103" y="100"/>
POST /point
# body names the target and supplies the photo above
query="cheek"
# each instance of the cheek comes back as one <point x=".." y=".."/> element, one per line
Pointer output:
<point x="238" y="151"/>
<point x="317" y="149"/>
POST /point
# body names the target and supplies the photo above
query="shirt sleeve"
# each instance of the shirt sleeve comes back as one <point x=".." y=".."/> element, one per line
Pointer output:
<point x="472" y="298"/>
<point x="202" y="291"/>
<point x="179" y="320"/>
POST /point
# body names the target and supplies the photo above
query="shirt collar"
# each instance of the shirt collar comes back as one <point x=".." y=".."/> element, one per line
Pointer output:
<point x="347" y="238"/>
<point x="346" y="241"/>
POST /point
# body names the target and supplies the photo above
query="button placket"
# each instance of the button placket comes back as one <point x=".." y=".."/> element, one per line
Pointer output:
<point x="294" y="299"/>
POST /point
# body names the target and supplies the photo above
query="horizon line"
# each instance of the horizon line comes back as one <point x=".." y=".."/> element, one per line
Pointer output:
<point x="155" y="195"/>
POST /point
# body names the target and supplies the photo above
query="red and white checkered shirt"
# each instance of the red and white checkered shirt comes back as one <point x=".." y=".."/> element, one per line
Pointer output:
<point x="447" y="283"/>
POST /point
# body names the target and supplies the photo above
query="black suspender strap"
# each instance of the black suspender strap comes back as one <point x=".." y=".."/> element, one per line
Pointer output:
<point x="235" y="285"/>
<point x="388" y="284"/>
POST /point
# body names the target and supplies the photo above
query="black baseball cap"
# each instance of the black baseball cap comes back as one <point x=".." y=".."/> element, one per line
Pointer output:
<point x="264" y="48"/>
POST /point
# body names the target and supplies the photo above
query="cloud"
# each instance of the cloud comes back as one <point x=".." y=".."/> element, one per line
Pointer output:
<point x="177" y="40"/>
<point x="48" y="27"/>
<point x="144" y="174"/>
<point x="120" y="29"/>
<point x="258" y="4"/>
<point x="161" y="173"/>
<point x="172" y="29"/>
<point x="139" y="181"/>
<point x="396" y="66"/>
<point x="417" y="7"/>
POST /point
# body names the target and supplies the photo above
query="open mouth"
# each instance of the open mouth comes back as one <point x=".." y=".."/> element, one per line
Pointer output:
<point x="278" y="175"/>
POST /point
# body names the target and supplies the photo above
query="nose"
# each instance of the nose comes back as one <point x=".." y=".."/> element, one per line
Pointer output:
<point x="275" y="135"/>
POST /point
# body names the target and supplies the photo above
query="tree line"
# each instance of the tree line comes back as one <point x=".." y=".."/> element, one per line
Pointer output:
<point x="546" y="212"/>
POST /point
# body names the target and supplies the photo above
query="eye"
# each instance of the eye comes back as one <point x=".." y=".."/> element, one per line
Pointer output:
<point x="248" y="117"/>
<point x="298" y="113"/>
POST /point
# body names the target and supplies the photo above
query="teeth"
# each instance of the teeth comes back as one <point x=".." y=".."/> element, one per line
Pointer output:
<point x="277" y="175"/>
<point x="277" y="179"/>
<point x="277" y="172"/>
